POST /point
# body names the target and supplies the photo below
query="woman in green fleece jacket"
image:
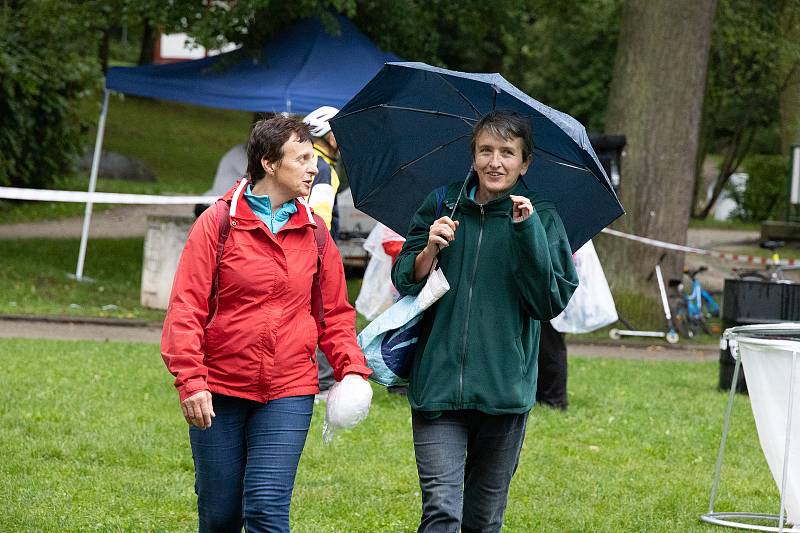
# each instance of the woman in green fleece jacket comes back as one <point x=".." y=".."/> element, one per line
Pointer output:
<point x="473" y="379"/>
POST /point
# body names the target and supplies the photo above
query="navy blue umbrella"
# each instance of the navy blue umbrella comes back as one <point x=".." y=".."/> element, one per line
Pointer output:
<point x="408" y="131"/>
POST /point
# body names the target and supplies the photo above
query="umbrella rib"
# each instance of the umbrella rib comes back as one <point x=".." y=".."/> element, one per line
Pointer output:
<point x="426" y="154"/>
<point x="562" y="161"/>
<point x="462" y="95"/>
<point x="414" y="109"/>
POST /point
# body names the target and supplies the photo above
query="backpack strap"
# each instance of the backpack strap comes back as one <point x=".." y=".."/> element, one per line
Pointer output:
<point x="441" y="192"/>
<point x="317" y="305"/>
<point x="222" y="209"/>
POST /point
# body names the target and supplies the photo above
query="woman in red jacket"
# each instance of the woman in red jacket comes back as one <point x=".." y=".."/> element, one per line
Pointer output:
<point x="243" y="354"/>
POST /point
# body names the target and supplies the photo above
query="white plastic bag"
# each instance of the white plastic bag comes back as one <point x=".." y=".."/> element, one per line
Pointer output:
<point x="768" y="370"/>
<point x="377" y="292"/>
<point x="592" y="305"/>
<point x="347" y="405"/>
<point x="389" y="341"/>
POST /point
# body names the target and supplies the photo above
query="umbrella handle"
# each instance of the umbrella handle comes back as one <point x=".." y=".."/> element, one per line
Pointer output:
<point x="435" y="264"/>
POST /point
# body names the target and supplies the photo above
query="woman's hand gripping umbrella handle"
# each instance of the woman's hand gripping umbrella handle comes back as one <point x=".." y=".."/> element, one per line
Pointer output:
<point x="441" y="233"/>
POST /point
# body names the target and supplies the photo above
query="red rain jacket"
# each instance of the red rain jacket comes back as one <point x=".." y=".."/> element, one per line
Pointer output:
<point x="261" y="343"/>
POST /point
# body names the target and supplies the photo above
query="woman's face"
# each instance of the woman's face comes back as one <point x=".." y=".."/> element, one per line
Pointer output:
<point x="294" y="173"/>
<point x="498" y="162"/>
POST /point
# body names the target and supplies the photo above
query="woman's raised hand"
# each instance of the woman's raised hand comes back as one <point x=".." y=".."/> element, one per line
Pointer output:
<point x="521" y="208"/>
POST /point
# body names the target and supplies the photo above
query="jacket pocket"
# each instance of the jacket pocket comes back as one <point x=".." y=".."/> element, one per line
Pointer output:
<point x="524" y="358"/>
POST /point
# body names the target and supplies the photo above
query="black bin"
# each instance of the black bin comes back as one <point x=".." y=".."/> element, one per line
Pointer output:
<point x="754" y="302"/>
<point x="726" y="367"/>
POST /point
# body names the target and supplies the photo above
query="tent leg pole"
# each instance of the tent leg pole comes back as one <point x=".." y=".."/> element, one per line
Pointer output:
<point x="787" y="444"/>
<point x="87" y="215"/>
<point x="725" y="426"/>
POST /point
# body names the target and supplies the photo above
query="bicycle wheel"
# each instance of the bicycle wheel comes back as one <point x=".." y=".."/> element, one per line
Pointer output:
<point x="752" y="275"/>
<point x="682" y="318"/>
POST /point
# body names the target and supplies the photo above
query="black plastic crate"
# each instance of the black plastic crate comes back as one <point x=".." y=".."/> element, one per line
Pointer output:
<point x="754" y="302"/>
<point x="760" y="302"/>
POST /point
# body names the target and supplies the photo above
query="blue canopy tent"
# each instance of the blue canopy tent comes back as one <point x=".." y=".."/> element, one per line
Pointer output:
<point x="300" y="69"/>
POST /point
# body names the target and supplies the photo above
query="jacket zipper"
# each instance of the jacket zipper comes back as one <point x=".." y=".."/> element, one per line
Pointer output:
<point x="466" y="322"/>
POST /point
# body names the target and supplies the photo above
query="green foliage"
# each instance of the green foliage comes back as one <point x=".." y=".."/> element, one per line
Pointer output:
<point x="565" y="58"/>
<point x="562" y="54"/>
<point x="250" y="23"/>
<point x="93" y="439"/>
<point x="764" y="196"/>
<point x="744" y="82"/>
<point x="44" y="71"/>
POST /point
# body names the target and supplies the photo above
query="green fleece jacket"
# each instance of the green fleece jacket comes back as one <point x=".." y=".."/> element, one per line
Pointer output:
<point x="480" y="342"/>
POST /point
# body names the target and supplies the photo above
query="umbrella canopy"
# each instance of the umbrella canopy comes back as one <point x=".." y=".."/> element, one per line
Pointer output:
<point x="408" y="131"/>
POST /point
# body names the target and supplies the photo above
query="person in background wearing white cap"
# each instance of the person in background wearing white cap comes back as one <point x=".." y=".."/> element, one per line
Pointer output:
<point x="323" y="193"/>
<point x="323" y="201"/>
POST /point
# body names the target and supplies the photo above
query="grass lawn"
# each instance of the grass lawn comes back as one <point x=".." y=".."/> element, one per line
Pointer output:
<point x="711" y="223"/>
<point x="181" y="144"/>
<point x="93" y="439"/>
<point x="115" y="265"/>
<point x="34" y="278"/>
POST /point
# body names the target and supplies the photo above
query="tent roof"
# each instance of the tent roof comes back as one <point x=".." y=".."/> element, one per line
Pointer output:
<point x="300" y="69"/>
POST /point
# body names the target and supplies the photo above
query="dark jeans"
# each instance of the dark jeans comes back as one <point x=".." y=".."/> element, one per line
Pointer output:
<point x="551" y="385"/>
<point x="245" y="463"/>
<point x="465" y="461"/>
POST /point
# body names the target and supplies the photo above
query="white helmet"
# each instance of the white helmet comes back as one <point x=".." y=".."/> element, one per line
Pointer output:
<point x="318" y="120"/>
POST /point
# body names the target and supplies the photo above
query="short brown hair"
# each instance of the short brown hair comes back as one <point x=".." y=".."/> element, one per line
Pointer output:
<point x="506" y="125"/>
<point x="267" y="139"/>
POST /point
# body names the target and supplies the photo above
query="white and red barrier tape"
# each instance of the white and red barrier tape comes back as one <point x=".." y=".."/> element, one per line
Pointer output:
<point x="47" y="195"/>
<point x="728" y="256"/>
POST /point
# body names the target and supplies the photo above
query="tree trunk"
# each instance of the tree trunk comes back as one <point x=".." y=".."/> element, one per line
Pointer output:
<point x="790" y="71"/>
<point x="105" y="42"/>
<point x="656" y="101"/>
<point x="148" y="43"/>
<point x="790" y="114"/>
<point x="737" y="151"/>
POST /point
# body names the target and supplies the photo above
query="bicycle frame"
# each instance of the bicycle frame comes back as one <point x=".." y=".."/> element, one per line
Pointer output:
<point x="695" y="300"/>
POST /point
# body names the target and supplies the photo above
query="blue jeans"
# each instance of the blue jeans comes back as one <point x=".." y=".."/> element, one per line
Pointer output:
<point x="245" y="463"/>
<point x="465" y="461"/>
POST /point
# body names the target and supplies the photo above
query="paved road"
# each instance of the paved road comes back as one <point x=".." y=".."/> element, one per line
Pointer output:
<point x="131" y="221"/>
<point x="119" y="222"/>
<point x="64" y="330"/>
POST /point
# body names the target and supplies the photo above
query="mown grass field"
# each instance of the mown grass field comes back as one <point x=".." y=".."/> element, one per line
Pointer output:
<point x="181" y="144"/>
<point x="34" y="279"/>
<point x="93" y="439"/>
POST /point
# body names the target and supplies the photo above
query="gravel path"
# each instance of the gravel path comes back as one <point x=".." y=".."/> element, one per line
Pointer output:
<point x="118" y="222"/>
<point x="131" y="221"/>
<point x="111" y="330"/>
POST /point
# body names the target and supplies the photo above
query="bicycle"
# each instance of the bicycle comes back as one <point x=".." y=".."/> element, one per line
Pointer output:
<point x="695" y="306"/>
<point x="773" y="272"/>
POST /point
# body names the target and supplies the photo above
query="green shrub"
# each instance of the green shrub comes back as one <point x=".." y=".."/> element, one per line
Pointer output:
<point x="44" y="70"/>
<point x="765" y="194"/>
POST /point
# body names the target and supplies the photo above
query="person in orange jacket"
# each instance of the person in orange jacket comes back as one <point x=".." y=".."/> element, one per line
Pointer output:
<point x="243" y="355"/>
